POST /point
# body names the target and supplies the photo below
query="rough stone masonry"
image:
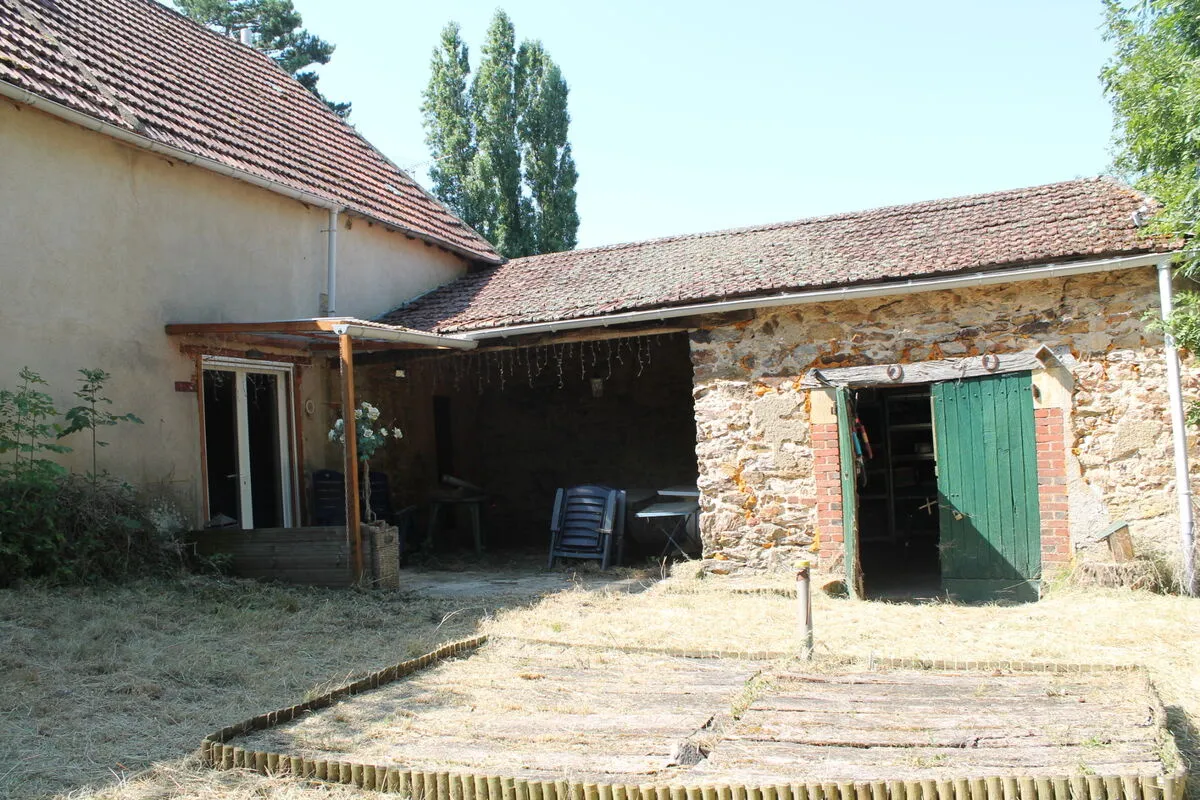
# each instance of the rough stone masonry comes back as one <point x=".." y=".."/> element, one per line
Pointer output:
<point x="755" y="448"/>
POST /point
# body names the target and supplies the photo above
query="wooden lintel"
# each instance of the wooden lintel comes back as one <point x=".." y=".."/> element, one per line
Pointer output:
<point x="223" y="350"/>
<point x="930" y="371"/>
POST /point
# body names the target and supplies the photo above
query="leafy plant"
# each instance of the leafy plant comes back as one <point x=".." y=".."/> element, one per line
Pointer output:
<point x="93" y="414"/>
<point x="27" y="426"/>
<point x="58" y="526"/>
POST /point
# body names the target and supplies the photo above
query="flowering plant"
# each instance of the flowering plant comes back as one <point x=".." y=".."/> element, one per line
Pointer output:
<point x="370" y="436"/>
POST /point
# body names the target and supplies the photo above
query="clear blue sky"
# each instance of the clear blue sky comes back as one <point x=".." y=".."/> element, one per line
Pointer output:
<point x="694" y="116"/>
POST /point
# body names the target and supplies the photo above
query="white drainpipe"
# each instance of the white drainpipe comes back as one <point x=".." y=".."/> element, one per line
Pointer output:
<point x="331" y="266"/>
<point x="1183" y="482"/>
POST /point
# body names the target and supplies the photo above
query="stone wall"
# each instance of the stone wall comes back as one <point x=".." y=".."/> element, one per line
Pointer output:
<point x="756" y="449"/>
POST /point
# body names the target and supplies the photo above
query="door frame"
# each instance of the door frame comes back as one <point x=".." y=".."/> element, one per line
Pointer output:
<point x="849" y="480"/>
<point x="288" y="483"/>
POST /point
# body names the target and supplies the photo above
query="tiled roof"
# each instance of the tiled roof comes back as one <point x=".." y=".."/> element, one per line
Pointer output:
<point x="142" y="67"/>
<point x="1082" y="219"/>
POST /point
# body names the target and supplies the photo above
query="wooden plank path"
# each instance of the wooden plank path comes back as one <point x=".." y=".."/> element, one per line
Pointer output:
<point x="540" y="711"/>
<point x="527" y="711"/>
<point x="916" y="724"/>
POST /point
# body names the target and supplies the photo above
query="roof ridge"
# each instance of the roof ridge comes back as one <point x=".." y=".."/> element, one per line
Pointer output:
<point x="883" y="211"/>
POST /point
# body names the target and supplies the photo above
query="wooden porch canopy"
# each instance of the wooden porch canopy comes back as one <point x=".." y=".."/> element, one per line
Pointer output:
<point x="328" y="333"/>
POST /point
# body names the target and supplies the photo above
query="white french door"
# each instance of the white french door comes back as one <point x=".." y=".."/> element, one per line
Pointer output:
<point x="249" y="439"/>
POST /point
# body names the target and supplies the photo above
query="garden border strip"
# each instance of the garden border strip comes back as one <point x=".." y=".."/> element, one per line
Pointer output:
<point x="415" y="784"/>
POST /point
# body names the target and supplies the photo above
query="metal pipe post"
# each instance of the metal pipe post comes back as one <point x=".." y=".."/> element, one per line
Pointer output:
<point x="804" y="608"/>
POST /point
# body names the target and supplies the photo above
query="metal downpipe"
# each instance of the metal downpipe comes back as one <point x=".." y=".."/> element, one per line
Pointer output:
<point x="1183" y="485"/>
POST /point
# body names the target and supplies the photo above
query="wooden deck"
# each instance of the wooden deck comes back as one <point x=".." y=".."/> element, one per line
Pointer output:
<point x="552" y="712"/>
<point x="915" y="725"/>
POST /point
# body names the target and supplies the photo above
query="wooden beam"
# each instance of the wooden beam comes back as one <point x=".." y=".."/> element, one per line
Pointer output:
<point x="587" y="335"/>
<point x="920" y="372"/>
<point x="353" y="527"/>
<point x="286" y="326"/>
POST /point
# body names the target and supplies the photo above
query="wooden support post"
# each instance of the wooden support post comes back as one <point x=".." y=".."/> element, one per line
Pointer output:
<point x="353" y="526"/>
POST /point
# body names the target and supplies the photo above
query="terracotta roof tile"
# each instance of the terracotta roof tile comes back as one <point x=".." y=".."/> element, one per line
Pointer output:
<point x="143" y="67"/>
<point x="1080" y="219"/>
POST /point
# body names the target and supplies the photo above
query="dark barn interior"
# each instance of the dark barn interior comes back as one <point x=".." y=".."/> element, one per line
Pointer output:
<point x="522" y="422"/>
<point x="897" y="492"/>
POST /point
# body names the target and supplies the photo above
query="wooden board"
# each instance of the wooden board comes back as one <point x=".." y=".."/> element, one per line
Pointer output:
<point x="304" y="556"/>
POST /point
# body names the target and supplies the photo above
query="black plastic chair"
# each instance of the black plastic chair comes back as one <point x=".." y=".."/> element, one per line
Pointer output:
<point x="587" y="522"/>
<point x="329" y="497"/>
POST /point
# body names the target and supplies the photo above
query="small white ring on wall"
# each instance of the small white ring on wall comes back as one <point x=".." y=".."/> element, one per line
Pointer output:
<point x="991" y="362"/>
<point x="895" y="372"/>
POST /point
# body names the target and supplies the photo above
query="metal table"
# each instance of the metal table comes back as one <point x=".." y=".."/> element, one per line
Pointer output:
<point x="680" y="491"/>
<point x="673" y="517"/>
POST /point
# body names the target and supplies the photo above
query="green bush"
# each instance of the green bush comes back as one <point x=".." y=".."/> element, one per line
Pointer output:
<point x="58" y="526"/>
<point x="70" y="528"/>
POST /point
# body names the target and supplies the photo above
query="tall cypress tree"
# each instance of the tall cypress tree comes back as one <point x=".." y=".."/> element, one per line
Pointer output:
<point x="502" y="159"/>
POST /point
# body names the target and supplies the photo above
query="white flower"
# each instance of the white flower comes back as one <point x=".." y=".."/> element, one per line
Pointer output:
<point x="358" y="413"/>
<point x="339" y="424"/>
<point x="383" y="432"/>
<point x="367" y="434"/>
<point x="373" y="413"/>
<point x="333" y="434"/>
<point x="397" y="433"/>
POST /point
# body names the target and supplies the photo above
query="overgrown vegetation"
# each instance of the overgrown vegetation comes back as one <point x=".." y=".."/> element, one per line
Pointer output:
<point x="61" y="526"/>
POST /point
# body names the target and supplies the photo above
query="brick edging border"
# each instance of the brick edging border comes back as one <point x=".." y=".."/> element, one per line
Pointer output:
<point x="414" y="784"/>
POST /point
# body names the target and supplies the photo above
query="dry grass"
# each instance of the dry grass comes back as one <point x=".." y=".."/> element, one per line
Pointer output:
<point x="97" y="685"/>
<point x="1101" y="626"/>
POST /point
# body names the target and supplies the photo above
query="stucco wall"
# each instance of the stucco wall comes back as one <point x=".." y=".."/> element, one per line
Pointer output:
<point x="754" y="446"/>
<point x="102" y="244"/>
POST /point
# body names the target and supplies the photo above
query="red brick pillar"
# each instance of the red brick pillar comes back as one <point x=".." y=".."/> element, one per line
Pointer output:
<point x="1052" y="485"/>
<point x="828" y="473"/>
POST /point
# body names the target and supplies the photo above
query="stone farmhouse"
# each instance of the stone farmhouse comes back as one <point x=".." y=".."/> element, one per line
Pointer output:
<point x="961" y="391"/>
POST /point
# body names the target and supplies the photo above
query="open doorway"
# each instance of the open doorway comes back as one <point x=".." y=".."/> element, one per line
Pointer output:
<point x="247" y="444"/>
<point x="897" y="492"/>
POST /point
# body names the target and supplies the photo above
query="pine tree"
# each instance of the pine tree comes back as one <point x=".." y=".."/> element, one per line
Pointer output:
<point x="276" y="30"/>
<point x="502" y="160"/>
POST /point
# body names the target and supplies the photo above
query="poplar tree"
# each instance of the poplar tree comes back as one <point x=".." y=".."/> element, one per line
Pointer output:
<point x="276" y="28"/>
<point x="502" y="159"/>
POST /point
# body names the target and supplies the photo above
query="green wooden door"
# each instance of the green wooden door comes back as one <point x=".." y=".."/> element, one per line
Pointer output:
<point x="990" y="527"/>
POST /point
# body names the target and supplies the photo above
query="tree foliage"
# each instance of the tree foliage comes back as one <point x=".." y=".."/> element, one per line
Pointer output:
<point x="502" y="160"/>
<point x="1153" y="83"/>
<point x="277" y="30"/>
